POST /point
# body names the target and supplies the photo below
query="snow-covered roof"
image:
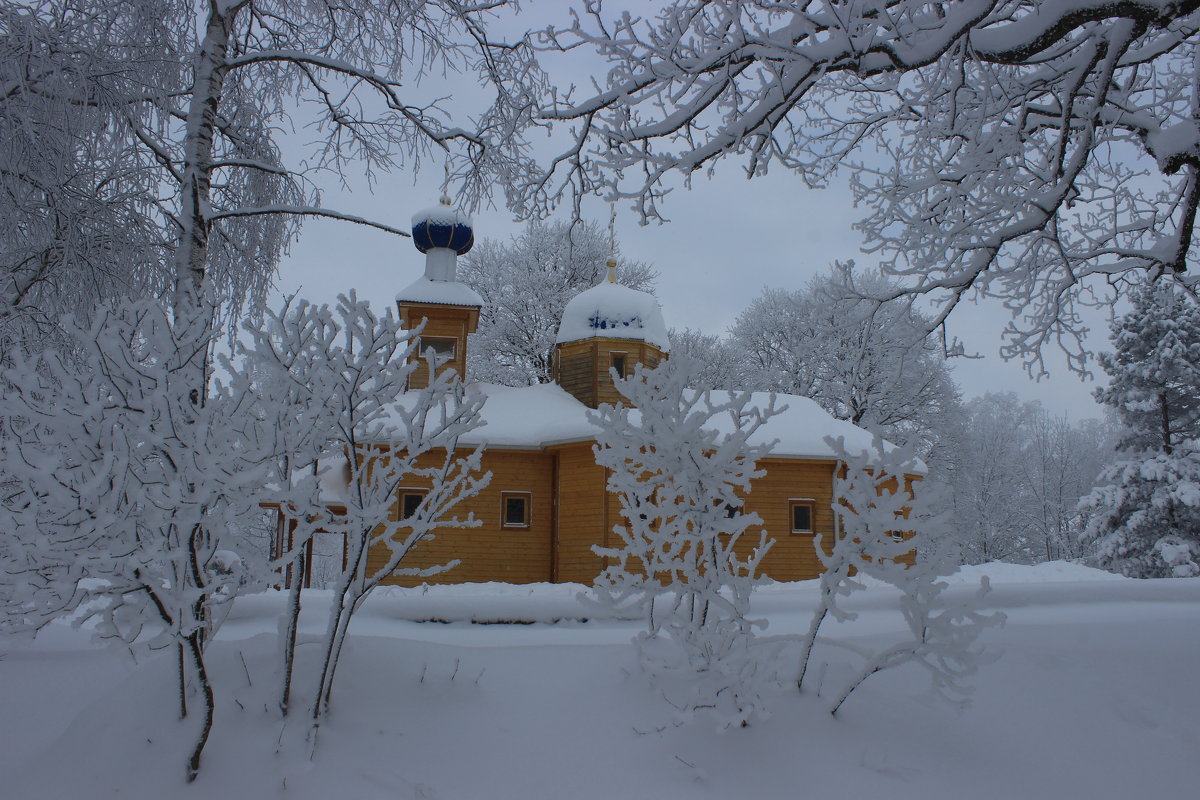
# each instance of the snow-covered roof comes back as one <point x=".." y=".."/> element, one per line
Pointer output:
<point x="451" y="293"/>
<point x="533" y="417"/>
<point x="616" y="311"/>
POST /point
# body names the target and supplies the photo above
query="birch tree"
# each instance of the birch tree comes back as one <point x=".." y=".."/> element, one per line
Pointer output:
<point x="198" y="94"/>
<point x="1033" y="151"/>
<point x="191" y="97"/>
<point x="77" y="203"/>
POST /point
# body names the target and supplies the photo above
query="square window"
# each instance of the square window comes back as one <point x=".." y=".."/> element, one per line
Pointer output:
<point x="443" y="349"/>
<point x="514" y="510"/>
<point x="802" y="517"/>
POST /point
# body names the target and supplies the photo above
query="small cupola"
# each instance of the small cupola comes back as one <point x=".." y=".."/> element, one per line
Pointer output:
<point x="449" y="309"/>
<point x="607" y="327"/>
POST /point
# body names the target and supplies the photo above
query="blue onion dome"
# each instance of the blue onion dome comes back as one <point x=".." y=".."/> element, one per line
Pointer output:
<point x="443" y="226"/>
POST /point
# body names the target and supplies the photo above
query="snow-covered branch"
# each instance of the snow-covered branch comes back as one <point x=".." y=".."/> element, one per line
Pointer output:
<point x="1034" y="152"/>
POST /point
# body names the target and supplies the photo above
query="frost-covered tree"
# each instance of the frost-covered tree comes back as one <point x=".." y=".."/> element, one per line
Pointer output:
<point x="989" y="481"/>
<point x="192" y="98"/>
<point x="346" y="373"/>
<point x="1015" y="473"/>
<point x="525" y="284"/>
<point x="720" y="363"/>
<point x="1062" y="461"/>
<point x="77" y="205"/>
<point x="1027" y="150"/>
<point x="679" y="460"/>
<point x="870" y="364"/>
<point x="1146" y="506"/>
<point x="885" y="517"/>
<point x="120" y="494"/>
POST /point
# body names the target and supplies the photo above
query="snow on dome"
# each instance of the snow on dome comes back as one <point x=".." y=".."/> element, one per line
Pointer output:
<point x="450" y="293"/>
<point x="443" y="226"/>
<point x="615" y="311"/>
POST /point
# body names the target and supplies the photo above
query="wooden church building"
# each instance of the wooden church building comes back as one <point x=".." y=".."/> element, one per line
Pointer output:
<point x="547" y="505"/>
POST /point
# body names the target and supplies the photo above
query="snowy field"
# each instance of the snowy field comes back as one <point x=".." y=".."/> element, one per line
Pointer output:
<point x="1093" y="694"/>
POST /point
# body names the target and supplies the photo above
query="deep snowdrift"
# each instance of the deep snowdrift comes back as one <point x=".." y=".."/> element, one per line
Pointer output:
<point x="1093" y="695"/>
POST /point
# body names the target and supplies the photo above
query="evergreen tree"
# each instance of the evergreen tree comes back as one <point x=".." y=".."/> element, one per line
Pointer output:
<point x="1146" y="509"/>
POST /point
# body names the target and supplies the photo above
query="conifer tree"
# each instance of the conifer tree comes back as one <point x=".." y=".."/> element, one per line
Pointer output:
<point x="1146" y="508"/>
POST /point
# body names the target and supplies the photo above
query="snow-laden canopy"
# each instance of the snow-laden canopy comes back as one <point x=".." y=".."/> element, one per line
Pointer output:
<point x="614" y="311"/>
<point x="450" y="293"/>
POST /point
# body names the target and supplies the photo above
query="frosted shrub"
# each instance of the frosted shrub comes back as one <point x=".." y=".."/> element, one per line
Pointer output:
<point x="679" y="462"/>
<point x="901" y="536"/>
<point x="341" y="377"/>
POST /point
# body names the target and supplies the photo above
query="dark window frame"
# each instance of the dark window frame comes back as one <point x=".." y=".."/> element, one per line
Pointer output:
<point x="527" y="518"/>
<point x="405" y="494"/>
<point x="613" y="358"/>
<point x="812" y="514"/>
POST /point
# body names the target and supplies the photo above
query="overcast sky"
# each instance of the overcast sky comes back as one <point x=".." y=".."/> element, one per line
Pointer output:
<point x="728" y="238"/>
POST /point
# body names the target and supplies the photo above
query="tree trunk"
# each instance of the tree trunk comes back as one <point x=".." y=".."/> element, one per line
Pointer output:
<point x="206" y="692"/>
<point x="289" y="636"/>
<point x="192" y="314"/>
<point x="807" y="647"/>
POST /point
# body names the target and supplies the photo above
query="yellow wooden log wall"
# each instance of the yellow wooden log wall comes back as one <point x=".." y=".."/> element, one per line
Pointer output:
<point x="582" y="367"/>
<point x="492" y="552"/>
<point x="558" y="543"/>
<point x="585" y="517"/>
<point x="441" y="322"/>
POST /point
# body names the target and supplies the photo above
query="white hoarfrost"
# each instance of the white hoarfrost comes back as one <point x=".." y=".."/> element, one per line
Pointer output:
<point x="680" y="479"/>
<point x="893" y="529"/>
<point x="348" y="371"/>
<point x="123" y="497"/>
<point x="1033" y="151"/>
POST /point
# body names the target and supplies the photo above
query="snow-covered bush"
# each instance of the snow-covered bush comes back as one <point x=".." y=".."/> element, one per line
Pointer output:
<point x="679" y="461"/>
<point x="121" y="491"/>
<point x="884" y="520"/>
<point x="345" y="374"/>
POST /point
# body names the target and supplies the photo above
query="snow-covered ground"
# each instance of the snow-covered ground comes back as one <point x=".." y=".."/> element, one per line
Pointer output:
<point x="1094" y="694"/>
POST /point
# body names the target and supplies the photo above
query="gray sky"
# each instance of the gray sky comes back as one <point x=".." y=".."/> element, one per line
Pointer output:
<point x="728" y="238"/>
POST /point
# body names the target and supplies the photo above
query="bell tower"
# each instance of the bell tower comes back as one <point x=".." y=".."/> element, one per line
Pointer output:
<point x="449" y="309"/>
<point x="607" y="328"/>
